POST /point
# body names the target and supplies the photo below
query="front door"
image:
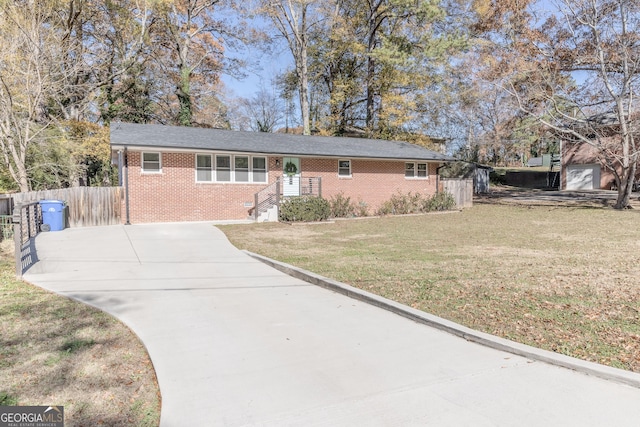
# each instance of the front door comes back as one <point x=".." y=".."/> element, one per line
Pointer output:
<point x="291" y="176"/>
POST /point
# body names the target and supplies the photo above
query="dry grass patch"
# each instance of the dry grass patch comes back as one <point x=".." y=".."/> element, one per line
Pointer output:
<point x="55" y="351"/>
<point x="559" y="278"/>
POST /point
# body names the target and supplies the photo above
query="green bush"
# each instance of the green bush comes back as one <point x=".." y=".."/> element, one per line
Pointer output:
<point x="362" y="209"/>
<point x="305" y="209"/>
<point x="344" y="207"/>
<point x="402" y="204"/>
<point x="341" y="206"/>
<point x="442" y="201"/>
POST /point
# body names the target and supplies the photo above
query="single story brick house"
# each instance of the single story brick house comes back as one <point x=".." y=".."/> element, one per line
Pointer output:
<point x="194" y="174"/>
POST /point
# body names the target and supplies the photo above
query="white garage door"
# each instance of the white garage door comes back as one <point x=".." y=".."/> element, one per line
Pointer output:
<point x="583" y="177"/>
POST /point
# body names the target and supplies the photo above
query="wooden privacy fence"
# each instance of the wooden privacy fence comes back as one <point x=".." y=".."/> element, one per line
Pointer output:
<point x="460" y="189"/>
<point x="86" y="206"/>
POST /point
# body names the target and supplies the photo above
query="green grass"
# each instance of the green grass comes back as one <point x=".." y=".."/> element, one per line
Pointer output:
<point x="562" y="279"/>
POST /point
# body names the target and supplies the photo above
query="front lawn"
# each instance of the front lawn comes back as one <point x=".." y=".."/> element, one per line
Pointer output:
<point x="558" y="278"/>
<point x="55" y="351"/>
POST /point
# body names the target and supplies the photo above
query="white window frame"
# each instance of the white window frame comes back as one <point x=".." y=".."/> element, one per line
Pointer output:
<point x="340" y="175"/>
<point x="253" y="169"/>
<point x="426" y="170"/>
<point x="247" y="170"/>
<point x="232" y="168"/>
<point x="416" y="171"/>
<point x="211" y="168"/>
<point x="142" y="163"/>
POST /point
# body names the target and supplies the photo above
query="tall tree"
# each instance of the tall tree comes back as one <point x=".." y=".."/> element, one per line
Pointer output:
<point x="263" y="111"/>
<point x="27" y="78"/>
<point x="52" y="63"/>
<point x="189" y="49"/>
<point x="376" y="60"/>
<point x="585" y="79"/>
<point x="293" y="20"/>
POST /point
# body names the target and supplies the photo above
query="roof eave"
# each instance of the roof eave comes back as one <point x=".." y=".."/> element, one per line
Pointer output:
<point x="122" y="146"/>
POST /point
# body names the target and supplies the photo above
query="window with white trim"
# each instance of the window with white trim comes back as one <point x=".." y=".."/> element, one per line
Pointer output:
<point x="204" y="168"/>
<point x="344" y="167"/>
<point x="151" y="162"/>
<point x="228" y="168"/>
<point x="259" y="169"/>
<point x="241" y="168"/>
<point x="416" y="170"/>
<point x="223" y="168"/>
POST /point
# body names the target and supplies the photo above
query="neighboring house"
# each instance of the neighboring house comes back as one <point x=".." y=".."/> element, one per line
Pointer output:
<point x="582" y="169"/>
<point x="582" y="164"/>
<point x="194" y="174"/>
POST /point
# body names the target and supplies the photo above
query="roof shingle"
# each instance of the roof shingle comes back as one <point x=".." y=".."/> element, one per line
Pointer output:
<point x="198" y="139"/>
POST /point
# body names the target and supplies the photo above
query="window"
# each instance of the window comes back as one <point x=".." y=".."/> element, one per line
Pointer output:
<point x="151" y="163"/>
<point x="416" y="170"/>
<point x="259" y="169"/>
<point x="242" y="168"/>
<point x="204" y="168"/>
<point x="409" y="170"/>
<point x="223" y="168"/>
<point x="344" y="167"/>
<point x="422" y="170"/>
<point x="227" y="168"/>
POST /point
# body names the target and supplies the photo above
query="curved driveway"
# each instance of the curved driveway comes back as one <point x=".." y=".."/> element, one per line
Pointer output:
<point x="235" y="342"/>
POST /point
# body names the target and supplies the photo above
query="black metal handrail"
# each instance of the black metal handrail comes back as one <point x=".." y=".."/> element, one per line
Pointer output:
<point x="311" y="186"/>
<point x="266" y="198"/>
<point x="271" y="195"/>
<point x="27" y="220"/>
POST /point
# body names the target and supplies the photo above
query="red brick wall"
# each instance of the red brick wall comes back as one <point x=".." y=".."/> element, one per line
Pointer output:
<point x="372" y="181"/>
<point x="174" y="194"/>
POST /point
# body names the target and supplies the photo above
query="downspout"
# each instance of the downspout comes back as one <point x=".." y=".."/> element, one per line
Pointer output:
<point x="126" y="186"/>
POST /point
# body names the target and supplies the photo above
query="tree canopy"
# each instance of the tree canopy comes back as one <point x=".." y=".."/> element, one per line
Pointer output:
<point x="500" y="80"/>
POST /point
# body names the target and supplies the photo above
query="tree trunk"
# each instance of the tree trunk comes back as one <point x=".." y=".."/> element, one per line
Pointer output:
<point x="371" y="72"/>
<point x="183" y="92"/>
<point x="304" y="88"/>
<point x="626" y="187"/>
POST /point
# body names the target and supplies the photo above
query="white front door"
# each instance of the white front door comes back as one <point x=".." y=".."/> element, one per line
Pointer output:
<point x="291" y="176"/>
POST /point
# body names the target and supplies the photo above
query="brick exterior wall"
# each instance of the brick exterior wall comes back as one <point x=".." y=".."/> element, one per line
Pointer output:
<point x="372" y="181"/>
<point x="173" y="195"/>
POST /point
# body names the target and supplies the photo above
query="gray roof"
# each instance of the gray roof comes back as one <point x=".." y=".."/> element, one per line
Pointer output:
<point x="162" y="137"/>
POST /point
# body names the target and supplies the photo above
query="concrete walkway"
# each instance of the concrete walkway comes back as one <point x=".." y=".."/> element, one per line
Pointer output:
<point x="235" y="342"/>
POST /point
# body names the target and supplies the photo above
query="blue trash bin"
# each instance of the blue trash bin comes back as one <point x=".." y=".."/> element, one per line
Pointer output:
<point x="53" y="214"/>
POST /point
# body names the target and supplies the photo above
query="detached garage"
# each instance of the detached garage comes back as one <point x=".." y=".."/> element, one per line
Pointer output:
<point x="583" y="177"/>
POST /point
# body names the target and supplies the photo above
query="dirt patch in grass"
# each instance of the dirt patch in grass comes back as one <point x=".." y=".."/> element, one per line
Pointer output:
<point x="560" y="278"/>
<point x="54" y="351"/>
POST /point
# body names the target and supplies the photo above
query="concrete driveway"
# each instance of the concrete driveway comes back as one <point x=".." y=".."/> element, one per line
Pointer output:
<point x="235" y="342"/>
